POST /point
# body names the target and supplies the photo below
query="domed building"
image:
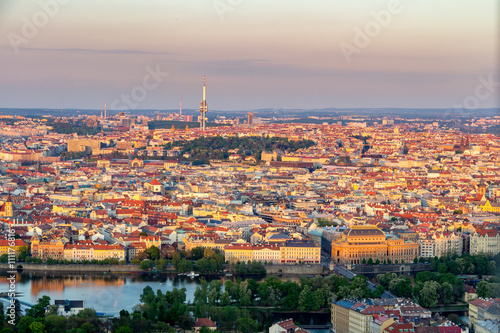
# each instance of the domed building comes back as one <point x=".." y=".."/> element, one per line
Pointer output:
<point x="360" y="242"/>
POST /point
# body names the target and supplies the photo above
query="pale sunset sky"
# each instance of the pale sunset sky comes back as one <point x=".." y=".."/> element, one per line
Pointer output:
<point x="255" y="53"/>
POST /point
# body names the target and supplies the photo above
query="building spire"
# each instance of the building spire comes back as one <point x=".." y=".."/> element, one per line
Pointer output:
<point x="204" y="81"/>
<point x="203" y="107"/>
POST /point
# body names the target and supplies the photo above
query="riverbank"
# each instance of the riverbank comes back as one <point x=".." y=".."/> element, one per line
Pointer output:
<point x="295" y="269"/>
<point x="79" y="268"/>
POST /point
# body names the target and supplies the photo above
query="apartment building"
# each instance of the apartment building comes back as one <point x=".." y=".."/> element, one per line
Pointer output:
<point x="486" y="241"/>
<point x="483" y="309"/>
<point x="440" y="244"/>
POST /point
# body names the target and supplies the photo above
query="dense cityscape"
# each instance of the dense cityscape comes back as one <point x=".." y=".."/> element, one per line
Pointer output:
<point x="231" y="166"/>
<point x="388" y="225"/>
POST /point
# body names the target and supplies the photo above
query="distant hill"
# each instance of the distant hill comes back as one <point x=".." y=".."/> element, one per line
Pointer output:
<point x="276" y="113"/>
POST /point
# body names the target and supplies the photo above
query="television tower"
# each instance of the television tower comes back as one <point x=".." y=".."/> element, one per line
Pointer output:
<point x="203" y="108"/>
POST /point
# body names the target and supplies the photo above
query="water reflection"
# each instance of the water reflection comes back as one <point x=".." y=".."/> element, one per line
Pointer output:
<point x="104" y="293"/>
<point x="111" y="293"/>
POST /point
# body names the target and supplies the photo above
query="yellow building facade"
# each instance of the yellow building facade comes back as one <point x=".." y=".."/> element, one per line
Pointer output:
<point x="300" y="252"/>
<point x="489" y="207"/>
<point x="367" y="241"/>
<point x="239" y="252"/>
<point x="47" y="249"/>
<point x="5" y="246"/>
<point x="6" y="208"/>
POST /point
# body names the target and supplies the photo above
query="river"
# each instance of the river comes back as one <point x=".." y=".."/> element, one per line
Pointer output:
<point x="105" y="293"/>
<point x="111" y="293"/>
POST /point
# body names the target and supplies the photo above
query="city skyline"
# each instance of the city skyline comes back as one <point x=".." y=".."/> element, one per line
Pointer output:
<point x="284" y="55"/>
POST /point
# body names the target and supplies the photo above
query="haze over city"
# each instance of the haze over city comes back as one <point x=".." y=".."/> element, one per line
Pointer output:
<point x="255" y="54"/>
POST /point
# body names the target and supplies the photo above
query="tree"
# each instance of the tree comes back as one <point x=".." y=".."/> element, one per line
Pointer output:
<point x="87" y="314"/>
<point x="447" y="293"/>
<point x="443" y="268"/>
<point x="23" y="252"/>
<point x="256" y="267"/>
<point x="153" y="252"/>
<point x="425" y="276"/>
<point x="202" y="265"/>
<point x="305" y="300"/>
<point x="428" y="295"/>
<point x="55" y="323"/>
<point x="453" y="317"/>
<point x="225" y="299"/>
<point x="370" y="261"/>
<point x="290" y="294"/>
<point x="38" y="327"/>
<point x="415" y="260"/>
<point x="208" y="253"/>
<point x="246" y="297"/>
<point x="185" y="265"/>
<point x="7" y="330"/>
<point x="160" y="264"/>
<point x="385" y="279"/>
<point x="200" y="294"/>
<point x="359" y="281"/>
<point x="163" y="327"/>
<point x="141" y="256"/>
<point x="124" y="329"/>
<point x="492" y="268"/>
<point x="246" y="325"/>
<point x="197" y="253"/>
<point x="147" y="295"/>
<point x="24" y="324"/>
<point x="176" y="258"/>
<point x="214" y="292"/>
<point x="401" y="286"/>
<point x="484" y="289"/>
<point x="38" y="310"/>
<point x="146" y="264"/>
<point x="453" y="267"/>
<point x="318" y="300"/>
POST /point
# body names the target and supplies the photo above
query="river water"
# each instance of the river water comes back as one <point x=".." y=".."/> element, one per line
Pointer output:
<point x="111" y="293"/>
<point x="105" y="293"/>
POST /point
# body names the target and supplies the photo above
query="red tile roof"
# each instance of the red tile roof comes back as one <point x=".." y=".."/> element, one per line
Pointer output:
<point x="204" y="322"/>
<point x="154" y="182"/>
